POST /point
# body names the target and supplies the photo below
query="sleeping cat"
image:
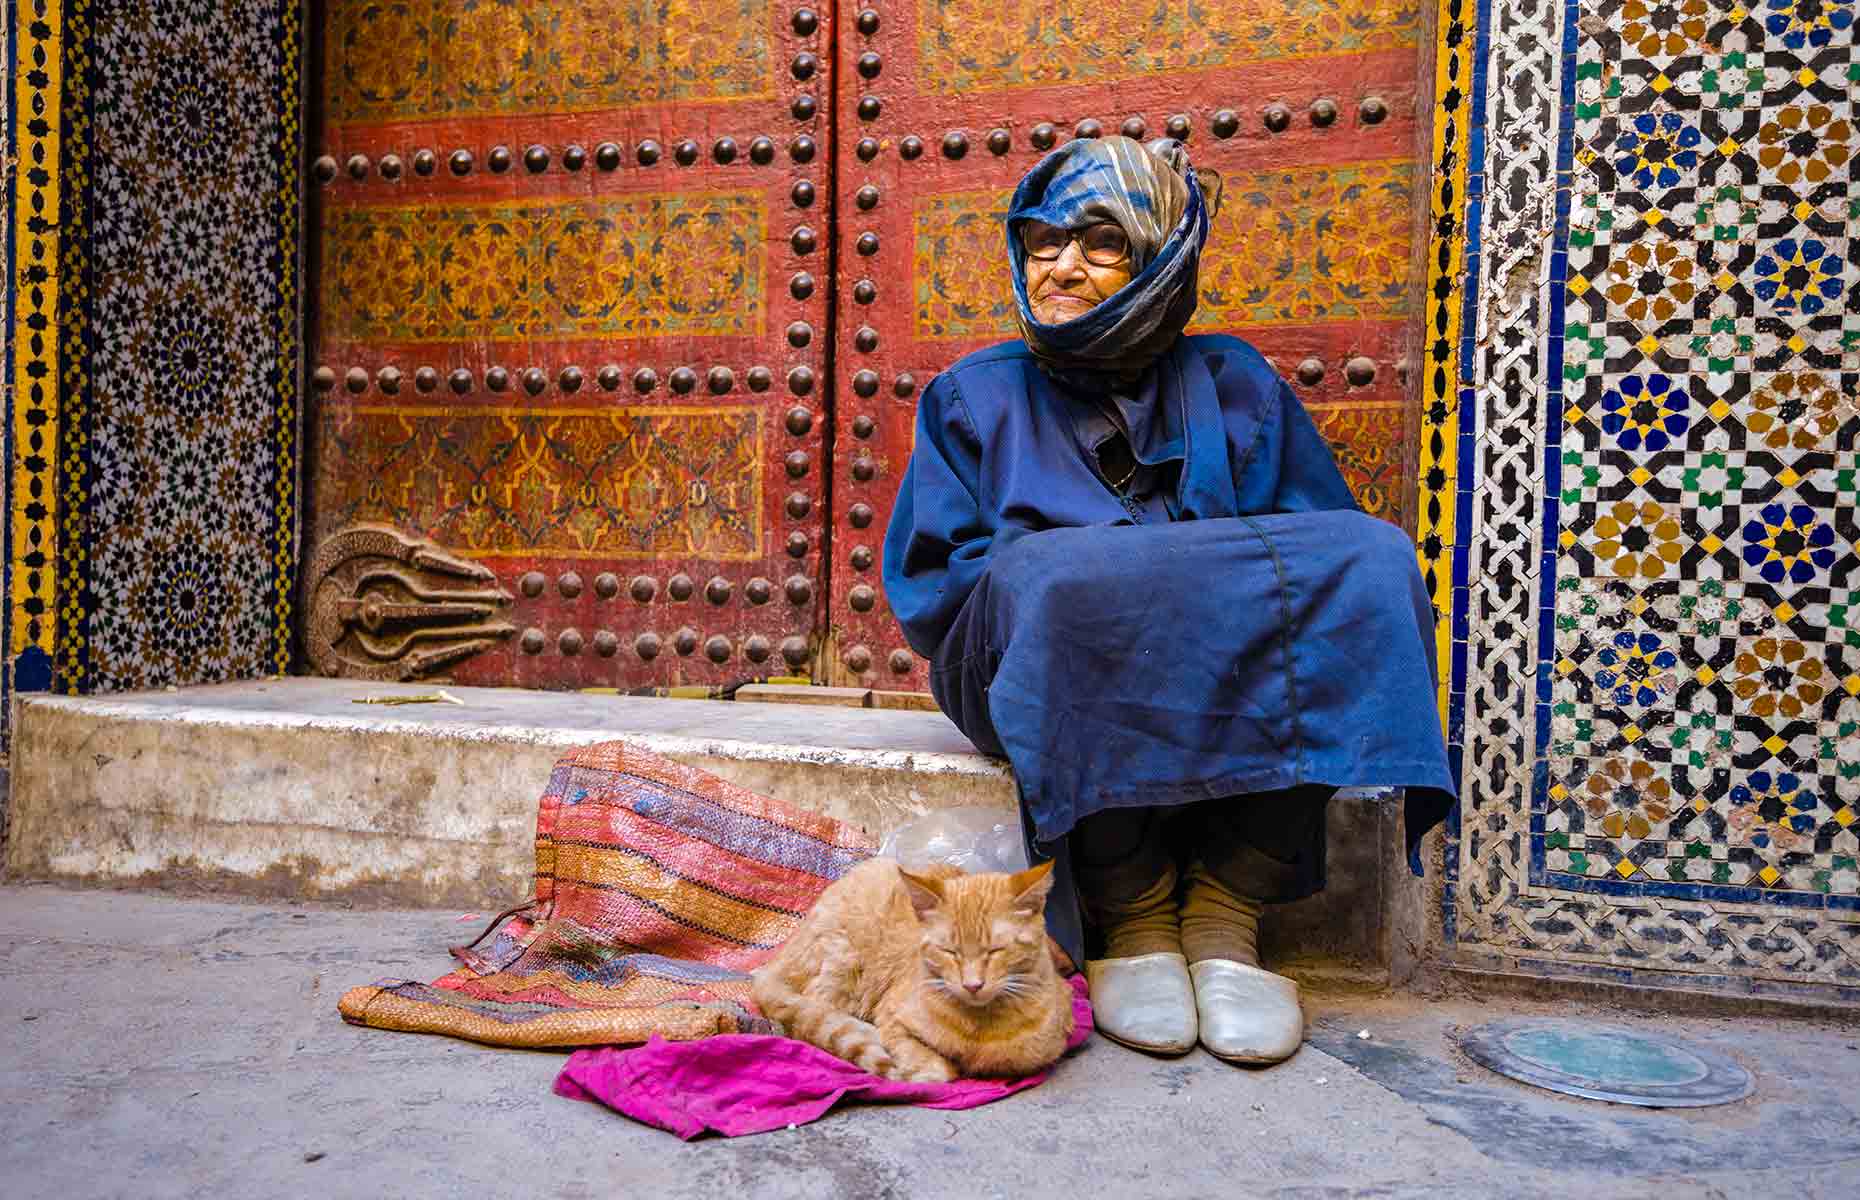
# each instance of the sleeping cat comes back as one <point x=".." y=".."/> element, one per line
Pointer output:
<point x="924" y="975"/>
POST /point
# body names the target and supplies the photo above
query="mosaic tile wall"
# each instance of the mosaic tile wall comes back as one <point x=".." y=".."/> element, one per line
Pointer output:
<point x="1656" y="618"/>
<point x="152" y="476"/>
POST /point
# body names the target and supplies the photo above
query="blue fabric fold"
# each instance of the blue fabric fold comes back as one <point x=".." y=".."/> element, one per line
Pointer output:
<point x="1233" y="626"/>
<point x="1270" y="636"/>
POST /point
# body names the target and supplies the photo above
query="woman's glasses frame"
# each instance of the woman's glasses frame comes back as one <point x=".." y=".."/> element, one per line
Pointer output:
<point x="1104" y="244"/>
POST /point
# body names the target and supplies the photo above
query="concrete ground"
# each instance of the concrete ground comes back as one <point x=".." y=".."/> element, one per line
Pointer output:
<point x="159" y="1046"/>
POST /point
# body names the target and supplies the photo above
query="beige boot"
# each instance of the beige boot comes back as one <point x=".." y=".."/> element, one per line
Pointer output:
<point x="1244" y="1014"/>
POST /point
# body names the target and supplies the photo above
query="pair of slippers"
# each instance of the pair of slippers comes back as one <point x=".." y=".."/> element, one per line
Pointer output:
<point x="1162" y="1004"/>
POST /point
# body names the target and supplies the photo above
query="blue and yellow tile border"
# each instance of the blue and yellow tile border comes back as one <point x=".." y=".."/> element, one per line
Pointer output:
<point x="287" y="434"/>
<point x="1452" y="267"/>
<point x="9" y="153"/>
<point x="1448" y="408"/>
<point x="32" y="551"/>
<point x="75" y="483"/>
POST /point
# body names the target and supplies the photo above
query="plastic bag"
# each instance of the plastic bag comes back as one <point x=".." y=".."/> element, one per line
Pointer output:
<point x="973" y="838"/>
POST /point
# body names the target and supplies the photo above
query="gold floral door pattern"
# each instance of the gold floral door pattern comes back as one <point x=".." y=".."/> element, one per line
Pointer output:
<point x="1308" y="111"/>
<point x="573" y="262"/>
<point x="570" y="263"/>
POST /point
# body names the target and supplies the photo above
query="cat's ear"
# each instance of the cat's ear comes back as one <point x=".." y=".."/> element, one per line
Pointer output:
<point x="926" y="894"/>
<point x="1030" y="888"/>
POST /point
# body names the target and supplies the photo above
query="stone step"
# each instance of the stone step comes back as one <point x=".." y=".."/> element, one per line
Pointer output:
<point x="289" y="788"/>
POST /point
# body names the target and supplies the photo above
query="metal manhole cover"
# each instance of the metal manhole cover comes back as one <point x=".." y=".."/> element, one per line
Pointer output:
<point x="1604" y="1063"/>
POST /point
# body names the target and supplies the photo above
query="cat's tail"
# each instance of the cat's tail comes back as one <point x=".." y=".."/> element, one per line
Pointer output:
<point x="819" y="1024"/>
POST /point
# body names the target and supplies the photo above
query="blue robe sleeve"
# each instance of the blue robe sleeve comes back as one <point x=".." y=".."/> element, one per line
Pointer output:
<point x="1289" y="467"/>
<point x="938" y="542"/>
<point x="1309" y="480"/>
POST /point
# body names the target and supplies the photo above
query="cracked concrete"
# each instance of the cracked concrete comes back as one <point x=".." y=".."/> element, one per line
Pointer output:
<point x="157" y="1046"/>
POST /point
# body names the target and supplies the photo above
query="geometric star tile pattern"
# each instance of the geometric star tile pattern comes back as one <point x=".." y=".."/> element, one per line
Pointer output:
<point x="1707" y="457"/>
<point x="1656" y="689"/>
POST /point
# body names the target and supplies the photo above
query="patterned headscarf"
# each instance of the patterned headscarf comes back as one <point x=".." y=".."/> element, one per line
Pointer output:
<point x="1153" y="194"/>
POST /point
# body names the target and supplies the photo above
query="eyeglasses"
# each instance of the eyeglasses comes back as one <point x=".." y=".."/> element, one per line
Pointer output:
<point x="1103" y="244"/>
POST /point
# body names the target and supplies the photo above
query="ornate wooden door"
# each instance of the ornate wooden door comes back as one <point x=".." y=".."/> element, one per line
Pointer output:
<point x="568" y="361"/>
<point x="1308" y="110"/>
<point x="575" y="383"/>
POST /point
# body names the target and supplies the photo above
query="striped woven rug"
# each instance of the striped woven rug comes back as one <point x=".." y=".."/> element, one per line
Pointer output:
<point x="658" y="888"/>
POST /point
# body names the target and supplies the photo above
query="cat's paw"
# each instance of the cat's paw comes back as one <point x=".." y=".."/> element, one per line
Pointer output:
<point x="876" y="1060"/>
<point x="926" y="1072"/>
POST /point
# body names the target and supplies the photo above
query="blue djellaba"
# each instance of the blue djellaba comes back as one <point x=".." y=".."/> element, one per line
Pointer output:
<point x="1218" y="623"/>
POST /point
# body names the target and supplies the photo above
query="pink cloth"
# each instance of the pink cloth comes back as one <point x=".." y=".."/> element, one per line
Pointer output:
<point x="742" y="1083"/>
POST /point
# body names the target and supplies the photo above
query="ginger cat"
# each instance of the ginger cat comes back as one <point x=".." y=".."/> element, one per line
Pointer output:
<point x="924" y="975"/>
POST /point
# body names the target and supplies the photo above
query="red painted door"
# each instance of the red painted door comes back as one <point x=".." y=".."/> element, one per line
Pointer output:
<point x="1308" y="112"/>
<point x="568" y="359"/>
<point x="580" y="414"/>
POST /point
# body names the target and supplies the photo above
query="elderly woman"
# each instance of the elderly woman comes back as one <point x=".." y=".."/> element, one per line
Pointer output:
<point x="1136" y="572"/>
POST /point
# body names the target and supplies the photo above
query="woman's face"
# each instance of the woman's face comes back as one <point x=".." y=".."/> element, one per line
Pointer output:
<point x="1070" y="285"/>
